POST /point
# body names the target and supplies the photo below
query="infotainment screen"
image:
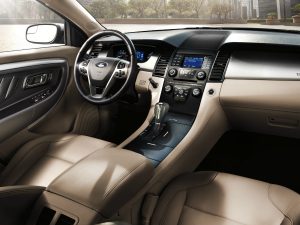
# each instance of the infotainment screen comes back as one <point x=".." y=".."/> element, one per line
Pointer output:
<point x="192" y="62"/>
<point x="140" y="56"/>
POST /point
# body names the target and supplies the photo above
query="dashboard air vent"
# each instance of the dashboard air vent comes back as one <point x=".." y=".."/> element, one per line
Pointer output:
<point x="161" y="66"/>
<point x="217" y="73"/>
<point x="96" y="49"/>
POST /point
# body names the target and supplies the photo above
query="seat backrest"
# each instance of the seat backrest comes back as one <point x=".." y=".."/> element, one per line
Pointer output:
<point x="209" y="198"/>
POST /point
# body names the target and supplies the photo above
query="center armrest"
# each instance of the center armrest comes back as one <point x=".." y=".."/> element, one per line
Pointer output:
<point x="105" y="180"/>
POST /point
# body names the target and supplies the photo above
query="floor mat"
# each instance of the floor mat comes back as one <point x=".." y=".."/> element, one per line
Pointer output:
<point x="262" y="157"/>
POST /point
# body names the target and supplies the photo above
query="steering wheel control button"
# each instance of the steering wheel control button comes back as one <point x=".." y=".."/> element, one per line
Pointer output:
<point x="85" y="63"/>
<point x="196" y="92"/>
<point x="201" y="75"/>
<point x="83" y="70"/>
<point x="117" y="74"/>
<point x="121" y="65"/>
<point x="83" y="67"/>
<point x="168" y="88"/>
<point x="173" y="72"/>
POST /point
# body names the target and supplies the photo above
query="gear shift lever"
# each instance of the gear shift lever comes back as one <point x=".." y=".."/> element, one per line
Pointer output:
<point x="160" y="111"/>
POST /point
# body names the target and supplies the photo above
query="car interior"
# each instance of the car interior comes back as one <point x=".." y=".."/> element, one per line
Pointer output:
<point x="178" y="126"/>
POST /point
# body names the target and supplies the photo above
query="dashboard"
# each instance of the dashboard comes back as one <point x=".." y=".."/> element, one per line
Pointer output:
<point x="188" y="59"/>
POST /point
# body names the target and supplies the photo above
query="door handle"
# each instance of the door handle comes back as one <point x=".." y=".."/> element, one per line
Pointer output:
<point x="36" y="80"/>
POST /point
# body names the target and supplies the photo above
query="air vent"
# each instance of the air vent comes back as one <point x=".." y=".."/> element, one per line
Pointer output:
<point x="217" y="73"/>
<point x="161" y="66"/>
<point x="96" y="49"/>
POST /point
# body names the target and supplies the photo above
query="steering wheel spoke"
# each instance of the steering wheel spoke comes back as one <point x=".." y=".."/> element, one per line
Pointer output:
<point x="108" y="86"/>
<point x="101" y="92"/>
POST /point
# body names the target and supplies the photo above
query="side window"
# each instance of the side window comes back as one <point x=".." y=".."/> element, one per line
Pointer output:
<point x="16" y="17"/>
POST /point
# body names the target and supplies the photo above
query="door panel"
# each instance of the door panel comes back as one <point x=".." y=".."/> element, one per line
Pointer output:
<point x="28" y="90"/>
<point x="66" y="112"/>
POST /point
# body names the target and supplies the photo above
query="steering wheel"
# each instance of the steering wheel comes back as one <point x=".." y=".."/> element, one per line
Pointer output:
<point x="103" y="73"/>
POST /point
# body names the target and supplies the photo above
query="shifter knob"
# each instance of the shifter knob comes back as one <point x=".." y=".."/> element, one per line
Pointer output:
<point x="160" y="111"/>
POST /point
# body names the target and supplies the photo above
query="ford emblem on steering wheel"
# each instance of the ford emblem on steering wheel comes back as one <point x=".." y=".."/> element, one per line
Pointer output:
<point x="101" y="64"/>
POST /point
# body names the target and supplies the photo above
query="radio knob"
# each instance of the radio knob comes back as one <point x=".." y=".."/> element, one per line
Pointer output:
<point x="196" y="92"/>
<point x="201" y="75"/>
<point x="172" y="72"/>
<point x="168" y="88"/>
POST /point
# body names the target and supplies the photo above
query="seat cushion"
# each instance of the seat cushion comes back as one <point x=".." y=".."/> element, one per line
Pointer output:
<point x="40" y="161"/>
<point x="211" y="198"/>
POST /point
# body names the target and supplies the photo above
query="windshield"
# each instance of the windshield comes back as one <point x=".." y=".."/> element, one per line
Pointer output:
<point x="139" y="15"/>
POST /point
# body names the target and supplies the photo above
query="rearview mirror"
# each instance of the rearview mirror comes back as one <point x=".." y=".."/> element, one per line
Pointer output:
<point x="45" y="34"/>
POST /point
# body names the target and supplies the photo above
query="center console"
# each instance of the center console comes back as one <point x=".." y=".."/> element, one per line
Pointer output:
<point x="91" y="190"/>
<point x="182" y="90"/>
<point x="185" y="81"/>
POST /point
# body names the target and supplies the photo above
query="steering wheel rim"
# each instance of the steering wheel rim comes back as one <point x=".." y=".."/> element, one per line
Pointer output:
<point x="104" y="71"/>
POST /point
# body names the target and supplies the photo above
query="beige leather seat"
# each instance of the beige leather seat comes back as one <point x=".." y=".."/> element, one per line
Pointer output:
<point x="40" y="161"/>
<point x="211" y="198"/>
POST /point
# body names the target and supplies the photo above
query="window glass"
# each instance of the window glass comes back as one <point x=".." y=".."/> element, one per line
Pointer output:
<point x="137" y="15"/>
<point x="16" y="16"/>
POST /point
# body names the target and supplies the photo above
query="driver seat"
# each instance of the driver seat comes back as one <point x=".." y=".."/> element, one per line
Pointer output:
<point x="40" y="161"/>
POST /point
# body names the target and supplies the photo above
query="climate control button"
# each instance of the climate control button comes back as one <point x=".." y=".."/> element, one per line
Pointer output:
<point x="196" y="92"/>
<point x="173" y="72"/>
<point x="168" y="88"/>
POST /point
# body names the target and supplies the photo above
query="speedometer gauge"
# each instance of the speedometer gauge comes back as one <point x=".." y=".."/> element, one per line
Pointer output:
<point x="122" y="54"/>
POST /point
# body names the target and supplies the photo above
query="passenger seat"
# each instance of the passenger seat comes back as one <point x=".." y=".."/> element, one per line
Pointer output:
<point x="212" y="198"/>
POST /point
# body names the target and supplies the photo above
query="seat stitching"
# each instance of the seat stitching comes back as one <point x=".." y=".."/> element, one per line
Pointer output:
<point x="211" y="179"/>
<point x="124" y="177"/>
<point x="202" y="185"/>
<point x="39" y="144"/>
<point x="273" y="203"/>
<point x="67" y="170"/>
<point x="28" y="154"/>
<point x="163" y="219"/>
<point x="55" y="157"/>
<point x="31" y="150"/>
<point x="23" y="158"/>
<point x="106" y="195"/>
<point x="213" y="214"/>
<point x="180" y="216"/>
